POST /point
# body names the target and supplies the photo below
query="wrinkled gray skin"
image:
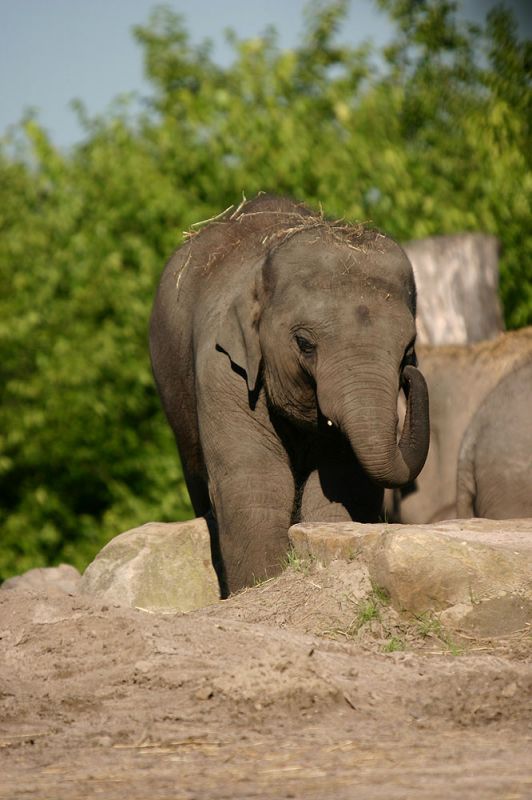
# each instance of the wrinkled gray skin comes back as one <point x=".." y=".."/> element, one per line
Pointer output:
<point x="265" y="326"/>
<point x="495" y="461"/>
<point x="459" y="378"/>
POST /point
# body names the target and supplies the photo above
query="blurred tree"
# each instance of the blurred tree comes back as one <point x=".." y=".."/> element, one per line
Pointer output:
<point x="433" y="137"/>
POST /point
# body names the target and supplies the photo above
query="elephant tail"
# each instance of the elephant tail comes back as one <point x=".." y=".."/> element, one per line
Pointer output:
<point x="466" y="487"/>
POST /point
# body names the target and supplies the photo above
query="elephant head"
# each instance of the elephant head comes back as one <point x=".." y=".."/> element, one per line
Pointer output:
<point x="329" y="314"/>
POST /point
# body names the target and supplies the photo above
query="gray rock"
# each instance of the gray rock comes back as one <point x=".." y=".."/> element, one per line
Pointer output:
<point x="325" y="542"/>
<point x="65" y="578"/>
<point x="475" y="573"/>
<point x="457" y="280"/>
<point x="159" y="566"/>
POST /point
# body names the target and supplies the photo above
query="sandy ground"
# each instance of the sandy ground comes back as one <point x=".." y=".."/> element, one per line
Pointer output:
<point x="294" y="689"/>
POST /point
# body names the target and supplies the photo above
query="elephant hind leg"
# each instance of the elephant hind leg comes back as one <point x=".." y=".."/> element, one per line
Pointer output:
<point x="315" y="506"/>
<point x="338" y="489"/>
<point x="360" y="501"/>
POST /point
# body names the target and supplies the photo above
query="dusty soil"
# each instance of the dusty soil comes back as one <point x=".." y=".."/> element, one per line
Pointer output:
<point x="304" y="687"/>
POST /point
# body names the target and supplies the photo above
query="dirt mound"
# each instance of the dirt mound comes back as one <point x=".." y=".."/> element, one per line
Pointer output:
<point x="291" y="689"/>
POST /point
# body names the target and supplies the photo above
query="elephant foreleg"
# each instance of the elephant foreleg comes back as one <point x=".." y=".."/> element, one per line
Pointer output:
<point x="253" y="513"/>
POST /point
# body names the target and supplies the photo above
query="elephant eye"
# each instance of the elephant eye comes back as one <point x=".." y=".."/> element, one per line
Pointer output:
<point x="305" y="346"/>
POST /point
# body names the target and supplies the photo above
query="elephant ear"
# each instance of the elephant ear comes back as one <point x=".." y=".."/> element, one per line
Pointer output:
<point x="238" y="336"/>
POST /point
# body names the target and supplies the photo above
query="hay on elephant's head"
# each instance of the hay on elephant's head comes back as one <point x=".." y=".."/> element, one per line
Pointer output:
<point x="275" y="220"/>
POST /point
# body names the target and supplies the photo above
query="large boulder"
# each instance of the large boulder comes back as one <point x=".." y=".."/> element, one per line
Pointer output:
<point x="457" y="280"/>
<point x="164" y="567"/>
<point x="476" y="574"/>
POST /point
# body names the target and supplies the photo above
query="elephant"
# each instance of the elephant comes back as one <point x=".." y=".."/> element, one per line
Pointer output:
<point x="459" y="377"/>
<point x="495" y="461"/>
<point x="279" y="342"/>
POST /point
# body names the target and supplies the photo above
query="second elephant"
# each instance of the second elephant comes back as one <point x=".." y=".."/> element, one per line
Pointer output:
<point x="495" y="461"/>
<point x="459" y="378"/>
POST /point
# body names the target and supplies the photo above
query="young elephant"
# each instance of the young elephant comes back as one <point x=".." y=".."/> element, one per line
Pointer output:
<point x="279" y="343"/>
<point x="495" y="462"/>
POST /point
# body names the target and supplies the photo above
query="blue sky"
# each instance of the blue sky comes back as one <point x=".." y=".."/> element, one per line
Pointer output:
<point x="52" y="51"/>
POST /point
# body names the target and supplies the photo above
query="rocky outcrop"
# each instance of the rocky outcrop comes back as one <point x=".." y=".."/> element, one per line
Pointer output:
<point x="475" y="573"/>
<point x="157" y="567"/>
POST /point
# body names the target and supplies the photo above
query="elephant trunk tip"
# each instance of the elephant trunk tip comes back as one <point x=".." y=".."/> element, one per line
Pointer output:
<point x="387" y="462"/>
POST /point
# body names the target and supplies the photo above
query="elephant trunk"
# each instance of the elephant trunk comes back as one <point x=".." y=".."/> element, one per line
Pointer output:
<point x="366" y="412"/>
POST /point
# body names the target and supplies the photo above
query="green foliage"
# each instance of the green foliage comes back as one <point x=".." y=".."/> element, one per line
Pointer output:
<point x="429" y="627"/>
<point x="84" y="450"/>
<point x="367" y="612"/>
<point x="296" y="562"/>
<point x="433" y="137"/>
<point x="394" y="644"/>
